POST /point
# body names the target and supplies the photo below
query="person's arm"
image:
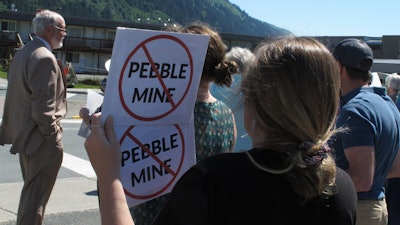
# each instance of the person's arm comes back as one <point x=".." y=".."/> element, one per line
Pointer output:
<point x="103" y="149"/>
<point x="395" y="169"/>
<point x="361" y="166"/>
<point x="44" y="100"/>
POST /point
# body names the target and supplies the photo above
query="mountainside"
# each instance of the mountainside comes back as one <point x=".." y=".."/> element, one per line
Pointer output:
<point x="221" y="14"/>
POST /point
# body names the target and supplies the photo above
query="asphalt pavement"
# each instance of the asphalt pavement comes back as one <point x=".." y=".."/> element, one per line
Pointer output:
<point x="73" y="200"/>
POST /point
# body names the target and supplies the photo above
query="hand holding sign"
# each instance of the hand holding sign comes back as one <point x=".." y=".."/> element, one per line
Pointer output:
<point x="103" y="154"/>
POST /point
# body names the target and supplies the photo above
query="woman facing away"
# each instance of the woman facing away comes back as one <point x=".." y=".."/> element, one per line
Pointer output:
<point x="291" y="96"/>
<point x="214" y="122"/>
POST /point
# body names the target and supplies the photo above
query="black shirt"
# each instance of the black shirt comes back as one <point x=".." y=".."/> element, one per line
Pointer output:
<point x="229" y="189"/>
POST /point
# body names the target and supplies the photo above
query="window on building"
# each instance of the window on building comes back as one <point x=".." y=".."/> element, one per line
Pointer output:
<point x="376" y="47"/>
<point x="72" y="57"/>
<point x="74" y="31"/>
<point x="8" y="25"/>
<point x="398" y="49"/>
<point x="111" y="35"/>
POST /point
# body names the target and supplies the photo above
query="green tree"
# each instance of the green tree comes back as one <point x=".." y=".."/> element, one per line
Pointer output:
<point x="2" y="6"/>
<point x="220" y="14"/>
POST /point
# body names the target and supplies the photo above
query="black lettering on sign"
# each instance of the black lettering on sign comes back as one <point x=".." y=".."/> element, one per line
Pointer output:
<point x="152" y="95"/>
<point x="156" y="147"/>
<point x="150" y="173"/>
<point x="166" y="70"/>
<point x="133" y="68"/>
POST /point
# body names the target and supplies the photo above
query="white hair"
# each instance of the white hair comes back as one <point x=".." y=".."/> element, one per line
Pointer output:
<point x="43" y="19"/>
<point x="393" y="81"/>
<point x="242" y="56"/>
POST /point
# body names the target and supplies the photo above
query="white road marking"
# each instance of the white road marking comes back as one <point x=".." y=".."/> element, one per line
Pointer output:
<point x="78" y="165"/>
<point x="69" y="95"/>
<point x="71" y="121"/>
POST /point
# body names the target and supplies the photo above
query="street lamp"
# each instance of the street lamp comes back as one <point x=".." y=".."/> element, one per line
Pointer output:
<point x="160" y="23"/>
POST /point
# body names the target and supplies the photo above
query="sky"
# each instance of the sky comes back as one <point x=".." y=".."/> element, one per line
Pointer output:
<point x="373" y="18"/>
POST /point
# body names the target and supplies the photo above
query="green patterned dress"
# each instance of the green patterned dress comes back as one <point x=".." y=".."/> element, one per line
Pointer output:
<point x="214" y="134"/>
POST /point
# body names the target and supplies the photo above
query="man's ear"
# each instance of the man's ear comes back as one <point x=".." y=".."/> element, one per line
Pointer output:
<point x="49" y="29"/>
<point x="341" y="67"/>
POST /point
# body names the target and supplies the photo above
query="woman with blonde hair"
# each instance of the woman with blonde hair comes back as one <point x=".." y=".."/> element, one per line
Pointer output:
<point x="291" y="97"/>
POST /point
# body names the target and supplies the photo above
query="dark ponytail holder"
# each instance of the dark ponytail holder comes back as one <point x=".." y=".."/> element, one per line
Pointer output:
<point x="316" y="157"/>
<point x="233" y="67"/>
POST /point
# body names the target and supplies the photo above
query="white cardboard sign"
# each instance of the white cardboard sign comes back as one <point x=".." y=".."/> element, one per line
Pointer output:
<point x="151" y="91"/>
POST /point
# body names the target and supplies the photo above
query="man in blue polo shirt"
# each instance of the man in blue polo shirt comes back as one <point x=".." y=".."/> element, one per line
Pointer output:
<point x="370" y="140"/>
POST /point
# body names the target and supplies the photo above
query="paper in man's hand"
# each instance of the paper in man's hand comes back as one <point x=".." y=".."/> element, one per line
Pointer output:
<point x="93" y="101"/>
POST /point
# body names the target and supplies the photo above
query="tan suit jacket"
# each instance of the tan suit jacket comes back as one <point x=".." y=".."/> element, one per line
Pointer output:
<point x="35" y="100"/>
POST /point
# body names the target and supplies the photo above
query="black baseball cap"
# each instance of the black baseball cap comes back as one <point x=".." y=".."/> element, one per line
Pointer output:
<point x="354" y="53"/>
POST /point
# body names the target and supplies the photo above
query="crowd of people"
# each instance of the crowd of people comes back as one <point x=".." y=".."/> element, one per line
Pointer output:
<point x="325" y="144"/>
<point x="368" y="146"/>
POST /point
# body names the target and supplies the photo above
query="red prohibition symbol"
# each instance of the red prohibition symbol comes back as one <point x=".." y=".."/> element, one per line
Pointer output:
<point x="173" y="172"/>
<point x="146" y="51"/>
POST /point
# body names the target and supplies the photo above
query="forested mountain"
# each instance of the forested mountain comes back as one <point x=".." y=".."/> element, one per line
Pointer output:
<point x="221" y="14"/>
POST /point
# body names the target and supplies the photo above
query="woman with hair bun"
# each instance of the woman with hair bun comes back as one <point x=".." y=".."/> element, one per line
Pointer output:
<point x="291" y="98"/>
<point x="214" y="122"/>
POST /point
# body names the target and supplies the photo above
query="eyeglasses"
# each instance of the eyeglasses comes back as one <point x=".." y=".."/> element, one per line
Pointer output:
<point x="61" y="29"/>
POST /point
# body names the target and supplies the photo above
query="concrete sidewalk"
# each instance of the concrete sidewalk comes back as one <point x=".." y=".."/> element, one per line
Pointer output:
<point x="69" y="195"/>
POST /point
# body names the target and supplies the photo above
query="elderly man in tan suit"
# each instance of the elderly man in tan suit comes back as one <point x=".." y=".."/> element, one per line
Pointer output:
<point x="34" y="105"/>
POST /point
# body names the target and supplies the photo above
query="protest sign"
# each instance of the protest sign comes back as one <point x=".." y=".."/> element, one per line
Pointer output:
<point x="151" y="91"/>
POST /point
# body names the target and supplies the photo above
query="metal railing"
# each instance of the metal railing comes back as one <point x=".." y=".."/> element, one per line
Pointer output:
<point x="88" y="44"/>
